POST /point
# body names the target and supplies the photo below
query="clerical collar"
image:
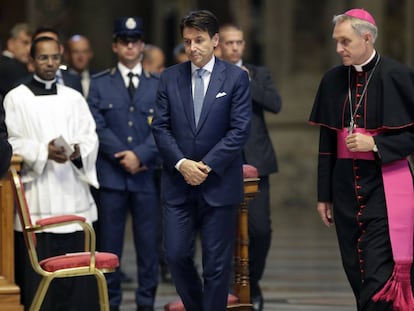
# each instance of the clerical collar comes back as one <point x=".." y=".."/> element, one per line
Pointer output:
<point x="42" y="87"/>
<point x="369" y="64"/>
<point x="47" y="84"/>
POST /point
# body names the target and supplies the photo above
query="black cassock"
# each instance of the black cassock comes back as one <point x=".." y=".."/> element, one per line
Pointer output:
<point x="355" y="186"/>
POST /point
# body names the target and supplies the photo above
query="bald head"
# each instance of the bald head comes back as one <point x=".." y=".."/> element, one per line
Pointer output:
<point x="79" y="52"/>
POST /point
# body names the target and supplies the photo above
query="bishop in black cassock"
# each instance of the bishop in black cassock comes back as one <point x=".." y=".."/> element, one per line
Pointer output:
<point x="374" y="99"/>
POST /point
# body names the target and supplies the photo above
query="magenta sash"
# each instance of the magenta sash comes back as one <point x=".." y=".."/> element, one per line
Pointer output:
<point x="344" y="153"/>
<point x="399" y="197"/>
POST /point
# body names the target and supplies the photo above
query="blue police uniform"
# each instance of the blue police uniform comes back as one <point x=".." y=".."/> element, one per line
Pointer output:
<point x="124" y="123"/>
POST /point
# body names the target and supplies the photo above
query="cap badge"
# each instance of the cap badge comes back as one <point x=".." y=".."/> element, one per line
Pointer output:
<point x="130" y="23"/>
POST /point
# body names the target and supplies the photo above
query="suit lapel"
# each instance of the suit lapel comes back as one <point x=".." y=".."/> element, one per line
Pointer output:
<point x="184" y="93"/>
<point x="216" y="80"/>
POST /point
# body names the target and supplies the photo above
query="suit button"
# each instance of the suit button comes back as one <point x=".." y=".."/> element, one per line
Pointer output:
<point x="110" y="106"/>
<point x="130" y="123"/>
<point x="131" y="108"/>
<point x="130" y="139"/>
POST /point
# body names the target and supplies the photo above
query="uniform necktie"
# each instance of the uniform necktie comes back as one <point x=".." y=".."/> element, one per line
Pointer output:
<point x="198" y="93"/>
<point x="131" y="86"/>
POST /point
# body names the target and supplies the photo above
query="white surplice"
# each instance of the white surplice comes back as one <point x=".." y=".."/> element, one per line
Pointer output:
<point x="52" y="188"/>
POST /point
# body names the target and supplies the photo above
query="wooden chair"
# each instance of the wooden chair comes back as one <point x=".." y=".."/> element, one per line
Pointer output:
<point x="240" y="299"/>
<point x="84" y="263"/>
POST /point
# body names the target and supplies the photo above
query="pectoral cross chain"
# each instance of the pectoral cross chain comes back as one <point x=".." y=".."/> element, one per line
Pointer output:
<point x="351" y="126"/>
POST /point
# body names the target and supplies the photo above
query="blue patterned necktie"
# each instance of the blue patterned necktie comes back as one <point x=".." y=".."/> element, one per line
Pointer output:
<point x="198" y="93"/>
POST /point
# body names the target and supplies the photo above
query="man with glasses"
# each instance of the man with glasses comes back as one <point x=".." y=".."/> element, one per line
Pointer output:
<point x="39" y="114"/>
<point x="63" y="76"/>
<point x="122" y="102"/>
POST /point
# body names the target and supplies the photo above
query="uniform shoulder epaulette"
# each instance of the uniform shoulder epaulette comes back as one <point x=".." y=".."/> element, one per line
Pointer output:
<point x="151" y="74"/>
<point x="101" y="73"/>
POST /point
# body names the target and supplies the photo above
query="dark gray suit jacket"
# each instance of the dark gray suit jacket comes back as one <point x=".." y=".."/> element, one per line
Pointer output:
<point x="259" y="150"/>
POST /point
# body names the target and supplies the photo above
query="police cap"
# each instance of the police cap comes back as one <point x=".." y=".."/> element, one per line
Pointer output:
<point x="128" y="27"/>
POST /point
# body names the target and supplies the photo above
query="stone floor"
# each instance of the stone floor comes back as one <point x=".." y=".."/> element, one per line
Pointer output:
<point x="303" y="269"/>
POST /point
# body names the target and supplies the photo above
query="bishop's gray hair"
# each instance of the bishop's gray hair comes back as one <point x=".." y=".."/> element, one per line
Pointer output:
<point x="360" y="26"/>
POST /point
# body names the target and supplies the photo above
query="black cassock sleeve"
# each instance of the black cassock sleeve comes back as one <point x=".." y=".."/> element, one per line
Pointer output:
<point x="326" y="162"/>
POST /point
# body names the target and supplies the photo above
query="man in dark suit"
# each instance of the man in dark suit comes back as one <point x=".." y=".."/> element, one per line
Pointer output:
<point x="5" y="148"/>
<point x="14" y="59"/>
<point x="79" y="56"/>
<point x="200" y="141"/>
<point x="122" y="101"/>
<point x="258" y="152"/>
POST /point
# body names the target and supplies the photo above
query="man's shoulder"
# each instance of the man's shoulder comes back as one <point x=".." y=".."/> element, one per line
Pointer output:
<point x="258" y="68"/>
<point x="17" y="92"/>
<point x="392" y="65"/>
<point x="104" y="74"/>
<point x="335" y="71"/>
<point x="4" y="60"/>
<point x="68" y="90"/>
<point x="227" y="66"/>
<point x="151" y="75"/>
<point x="176" y="70"/>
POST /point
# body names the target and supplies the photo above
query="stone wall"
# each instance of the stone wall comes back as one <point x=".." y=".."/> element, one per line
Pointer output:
<point x="296" y="144"/>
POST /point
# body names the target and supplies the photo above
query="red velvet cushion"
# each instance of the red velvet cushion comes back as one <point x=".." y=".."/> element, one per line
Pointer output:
<point x="75" y="260"/>
<point x="177" y="305"/>
<point x="249" y="171"/>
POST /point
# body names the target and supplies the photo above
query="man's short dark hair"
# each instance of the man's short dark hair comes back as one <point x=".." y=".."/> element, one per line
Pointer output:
<point x="37" y="41"/>
<point x="45" y="28"/>
<point x="201" y="20"/>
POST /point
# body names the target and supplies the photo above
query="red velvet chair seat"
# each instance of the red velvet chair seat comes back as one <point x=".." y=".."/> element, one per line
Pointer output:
<point x="177" y="305"/>
<point x="76" y="260"/>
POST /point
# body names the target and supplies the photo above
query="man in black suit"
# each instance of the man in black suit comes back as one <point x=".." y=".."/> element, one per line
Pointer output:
<point x="5" y="148"/>
<point x="258" y="151"/>
<point x="14" y="59"/>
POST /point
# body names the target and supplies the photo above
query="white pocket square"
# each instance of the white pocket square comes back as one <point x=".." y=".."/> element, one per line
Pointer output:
<point x="221" y="94"/>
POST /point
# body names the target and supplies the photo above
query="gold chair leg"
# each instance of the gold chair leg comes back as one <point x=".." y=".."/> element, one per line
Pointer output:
<point x="40" y="293"/>
<point x="102" y="290"/>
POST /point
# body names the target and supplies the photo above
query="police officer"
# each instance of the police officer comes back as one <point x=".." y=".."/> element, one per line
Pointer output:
<point x="122" y="102"/>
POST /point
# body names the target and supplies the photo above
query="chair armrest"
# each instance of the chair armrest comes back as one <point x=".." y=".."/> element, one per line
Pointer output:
<point x="63" y="220"/>
<point x="59" y="220"/>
